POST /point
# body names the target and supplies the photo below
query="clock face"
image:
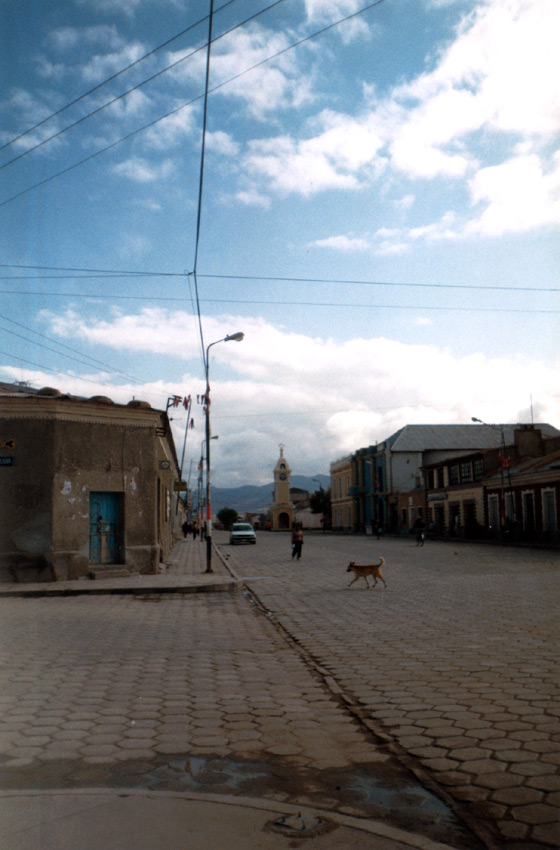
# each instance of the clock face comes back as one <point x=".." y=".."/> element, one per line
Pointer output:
<point x="282" y="476"/>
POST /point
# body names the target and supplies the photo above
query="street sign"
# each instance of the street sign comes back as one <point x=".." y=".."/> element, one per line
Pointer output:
<point x="7" y="444"/>
<point x="6" y="461"/>
<point x="179" y="486"/>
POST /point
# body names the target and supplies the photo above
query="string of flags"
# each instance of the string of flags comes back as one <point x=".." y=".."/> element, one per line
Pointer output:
<point x="177" y="400"/>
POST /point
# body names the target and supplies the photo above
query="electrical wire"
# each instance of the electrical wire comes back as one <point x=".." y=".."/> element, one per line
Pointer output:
<point x="94" y="361"/>
<point x="177" y="109"/>
<point x="100" y="274"/>
<point x="130" y="90"/>
<point x="335" y="304"/>
<point x="107" y="80"/>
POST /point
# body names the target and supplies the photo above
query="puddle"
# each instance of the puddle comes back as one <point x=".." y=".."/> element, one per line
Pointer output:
<point x="380" y="792"/>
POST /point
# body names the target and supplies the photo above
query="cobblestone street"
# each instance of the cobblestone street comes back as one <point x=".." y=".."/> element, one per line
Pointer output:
<point x="423" y="705"/>
<point x="457" y="661"/>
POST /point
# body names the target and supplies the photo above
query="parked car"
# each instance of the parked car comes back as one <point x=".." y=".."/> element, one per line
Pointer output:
<point x="242" y="532"/>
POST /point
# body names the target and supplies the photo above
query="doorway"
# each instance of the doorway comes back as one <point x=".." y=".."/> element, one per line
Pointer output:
<point x="105" y="528"/>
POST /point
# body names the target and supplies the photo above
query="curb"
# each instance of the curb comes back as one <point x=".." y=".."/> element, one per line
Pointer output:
<point x="374" y="828"/>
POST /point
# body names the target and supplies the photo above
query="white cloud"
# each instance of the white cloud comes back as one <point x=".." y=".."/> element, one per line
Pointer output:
<point x="222" y="143"/>
<point x="325" y="12"/>
<point x="272" y="85"/>
<point x="518" y="195"/>
<point x="171" y="131"/>
<point x="462" y="121"/>
<point x="334" y="159"/>
<point x="345" y="244"/>
<point x="103" y="65"/>
<point x="292" y="388"/>
<point x="142" y="171"/>
<point x="70" y="38"/>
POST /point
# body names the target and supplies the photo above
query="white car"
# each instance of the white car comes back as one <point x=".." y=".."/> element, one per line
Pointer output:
<point x="242" y="532"/>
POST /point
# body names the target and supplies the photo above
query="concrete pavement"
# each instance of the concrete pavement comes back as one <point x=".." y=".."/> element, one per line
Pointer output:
<point x="133" y="820"/>
<point x="133" y="715"/>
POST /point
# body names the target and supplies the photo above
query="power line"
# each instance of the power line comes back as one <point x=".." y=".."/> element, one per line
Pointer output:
<point x="107" y="80"/>
<point x="133" y="88"/>
<point x="94" y="274"/>
<point x="94" y="361"/>
<point x="185" y="105"/>
<point x="48" y="368"/>
<point x="336" y="304"/>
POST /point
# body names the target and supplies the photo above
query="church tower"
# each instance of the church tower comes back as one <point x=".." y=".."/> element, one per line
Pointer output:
<point x="282" y="510"/>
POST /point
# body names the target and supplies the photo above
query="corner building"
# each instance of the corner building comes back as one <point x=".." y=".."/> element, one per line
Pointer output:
<point x="86" y="483"/>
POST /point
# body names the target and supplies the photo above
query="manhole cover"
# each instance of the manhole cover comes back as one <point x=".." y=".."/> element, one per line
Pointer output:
<point x="302" y="826"/>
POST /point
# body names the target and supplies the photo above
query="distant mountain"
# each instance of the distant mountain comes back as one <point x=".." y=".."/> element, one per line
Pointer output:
<point x="252" y="499"/>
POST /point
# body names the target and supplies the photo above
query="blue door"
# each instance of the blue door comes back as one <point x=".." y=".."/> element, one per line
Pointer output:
<point x="105" y="528"/>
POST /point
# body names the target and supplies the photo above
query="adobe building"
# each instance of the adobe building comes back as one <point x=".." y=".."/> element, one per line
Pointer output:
<point x="282" y="509"/>
<point x="86" y="484"/>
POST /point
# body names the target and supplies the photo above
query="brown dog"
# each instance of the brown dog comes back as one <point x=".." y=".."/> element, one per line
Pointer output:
<point x="365" y="570"/>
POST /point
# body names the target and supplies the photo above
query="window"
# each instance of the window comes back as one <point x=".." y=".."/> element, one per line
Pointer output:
<point x="509" y="506"/>
<point x="454" y="474"/>
<point x="478" y="468"/>
<point x="466" y="473"/>
<point x="528" y="502"/>
<point x="430" y="479"/>
<point x="440" y="478"/>
<point x="493" y="511"/>
<point x="549" y="510"/>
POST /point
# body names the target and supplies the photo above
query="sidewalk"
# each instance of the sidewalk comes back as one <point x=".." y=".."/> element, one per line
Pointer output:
<point x="184" y="572"/>
<point x="131" y="820"/>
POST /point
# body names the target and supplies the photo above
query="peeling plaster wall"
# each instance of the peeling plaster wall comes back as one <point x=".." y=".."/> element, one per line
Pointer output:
<point x="58" y="462"/>
<point x="26" y="527"/>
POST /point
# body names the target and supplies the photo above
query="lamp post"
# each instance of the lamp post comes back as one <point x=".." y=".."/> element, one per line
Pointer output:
<point x="236" y="337"/>
<point x="201" y="478"/>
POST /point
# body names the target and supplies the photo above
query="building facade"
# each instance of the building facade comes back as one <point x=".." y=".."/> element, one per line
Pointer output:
<point x="342" y="503"/>
<point x="87" y="483"/>
<point x="507" y="493"/>
<point x="387" y="479"/>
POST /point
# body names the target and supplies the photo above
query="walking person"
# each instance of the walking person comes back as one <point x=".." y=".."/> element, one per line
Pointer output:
<point x="297" y="541"/>
<point x="419" y="529"/>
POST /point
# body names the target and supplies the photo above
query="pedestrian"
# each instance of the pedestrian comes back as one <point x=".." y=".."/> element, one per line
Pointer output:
<point x="297" y="541"/>
<point x="419" y="529"/>
<point x="186" y="527"/>
<point x="194" y="529"/>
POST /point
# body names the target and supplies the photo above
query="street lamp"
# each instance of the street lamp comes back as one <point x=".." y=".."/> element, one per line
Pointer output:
<point x="237" y="337"/>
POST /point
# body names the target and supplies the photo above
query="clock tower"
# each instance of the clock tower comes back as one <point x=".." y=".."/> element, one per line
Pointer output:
<point x="282" y="510"/>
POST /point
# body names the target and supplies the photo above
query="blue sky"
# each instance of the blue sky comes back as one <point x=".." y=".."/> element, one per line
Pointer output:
<point x="379" y="215"/>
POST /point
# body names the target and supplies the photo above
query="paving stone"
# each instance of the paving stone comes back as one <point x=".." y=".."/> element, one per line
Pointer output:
<point x="517" y="796"/>
<point x="548" y="833"/>
<point x="550" y="782"/>
<point x="498" y="780"/>
<point x="535" y="813"/>
<point x="530" y="768"/>
<point x="512" y="829"/>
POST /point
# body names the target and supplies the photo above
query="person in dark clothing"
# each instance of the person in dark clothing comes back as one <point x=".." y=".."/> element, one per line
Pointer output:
<point x="419" y="529"/>
<point x="297" y="541"/>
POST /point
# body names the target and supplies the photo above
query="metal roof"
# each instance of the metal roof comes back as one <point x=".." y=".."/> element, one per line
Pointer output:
<point x="420" y="438"/>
